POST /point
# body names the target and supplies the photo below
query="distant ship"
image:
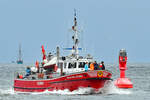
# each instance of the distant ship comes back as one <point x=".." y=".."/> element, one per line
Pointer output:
<point x="20" y="61"/>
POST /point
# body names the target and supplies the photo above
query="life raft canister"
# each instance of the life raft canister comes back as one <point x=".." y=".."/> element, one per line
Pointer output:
<point x="100" y="73"/>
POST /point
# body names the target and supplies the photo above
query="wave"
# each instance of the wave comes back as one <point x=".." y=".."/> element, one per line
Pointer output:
<point x="110" y="88"/>
<point x="8" y="91"/>
<point x="79" y="91"/>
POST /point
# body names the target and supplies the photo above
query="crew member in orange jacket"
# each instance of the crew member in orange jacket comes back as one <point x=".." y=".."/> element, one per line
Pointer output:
<point x="91" y="66"/>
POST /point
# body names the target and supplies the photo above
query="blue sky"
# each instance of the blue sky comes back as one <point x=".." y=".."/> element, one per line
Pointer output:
<point x="108" y="26"/>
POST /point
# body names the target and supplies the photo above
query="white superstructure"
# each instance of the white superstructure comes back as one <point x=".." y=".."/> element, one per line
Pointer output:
<point x="74" y="62"/>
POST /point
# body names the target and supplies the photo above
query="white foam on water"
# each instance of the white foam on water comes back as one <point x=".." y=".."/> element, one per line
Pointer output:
<point x="84" y="91"/>
<point x="110" y="88"/>
<point x="8" y="91"/>
<point x="67" y="92"/>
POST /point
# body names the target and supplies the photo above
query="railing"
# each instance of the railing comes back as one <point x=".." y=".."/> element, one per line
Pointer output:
<point x="41" y="76"/>
<point x="33" y="76"/>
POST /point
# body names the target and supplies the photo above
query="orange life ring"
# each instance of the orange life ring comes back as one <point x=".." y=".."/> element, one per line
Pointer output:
<point x="100" y="73"/>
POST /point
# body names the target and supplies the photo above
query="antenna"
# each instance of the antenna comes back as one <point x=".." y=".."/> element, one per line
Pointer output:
<point x="74" y="12"/>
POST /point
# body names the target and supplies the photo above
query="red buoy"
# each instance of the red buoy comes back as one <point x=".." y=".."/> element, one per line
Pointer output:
<point x="123" y="82"/>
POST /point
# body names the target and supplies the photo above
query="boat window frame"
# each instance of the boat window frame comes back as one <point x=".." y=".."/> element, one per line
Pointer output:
<point x="65" y="65"/>
<point x="60" y="63"/>
<point x="80" y="63"/>
<point x="72" y="64"/>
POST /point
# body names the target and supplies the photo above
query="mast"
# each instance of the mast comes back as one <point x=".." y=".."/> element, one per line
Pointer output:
<point x="75" y="37"/>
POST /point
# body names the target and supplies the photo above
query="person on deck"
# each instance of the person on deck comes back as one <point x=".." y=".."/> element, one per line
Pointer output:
<point x="95" y="66"/>
<point x="86" y="66"/>
<point x="20" y="76"/>
<point x="91" y="66"/>
<point x="102" y="66"/>
<point x="28" y="72"/>
<point x="34" y="70"/>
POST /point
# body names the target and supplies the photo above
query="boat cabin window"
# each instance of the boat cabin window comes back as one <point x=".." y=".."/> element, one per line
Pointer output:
<point x="65" y="64"/>
<point x="72" y="65"/>
<point x="81" y="64"/>
<point x="60" y="64"/>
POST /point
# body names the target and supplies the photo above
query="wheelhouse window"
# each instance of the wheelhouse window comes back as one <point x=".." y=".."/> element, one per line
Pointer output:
<point x="72" y="65"/>
<point x="81" y="64"/>
<point x="60" y="64"/>
<point x="65" y="64"/>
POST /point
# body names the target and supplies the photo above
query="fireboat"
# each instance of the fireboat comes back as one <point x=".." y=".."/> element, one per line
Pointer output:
<point x="62" y="72"/>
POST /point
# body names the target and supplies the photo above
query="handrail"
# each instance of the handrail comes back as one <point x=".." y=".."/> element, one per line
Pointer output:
<point x="44" y="77"/>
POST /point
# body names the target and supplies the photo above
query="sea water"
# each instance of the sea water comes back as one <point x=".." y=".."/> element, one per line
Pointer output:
<point x="138" y="73"/>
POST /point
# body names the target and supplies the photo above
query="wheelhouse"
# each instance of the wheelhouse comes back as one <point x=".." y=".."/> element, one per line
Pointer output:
<point x="73" y="65"/>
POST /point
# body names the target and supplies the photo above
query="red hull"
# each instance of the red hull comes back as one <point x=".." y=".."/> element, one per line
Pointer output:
<point x="93" y="79"/>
